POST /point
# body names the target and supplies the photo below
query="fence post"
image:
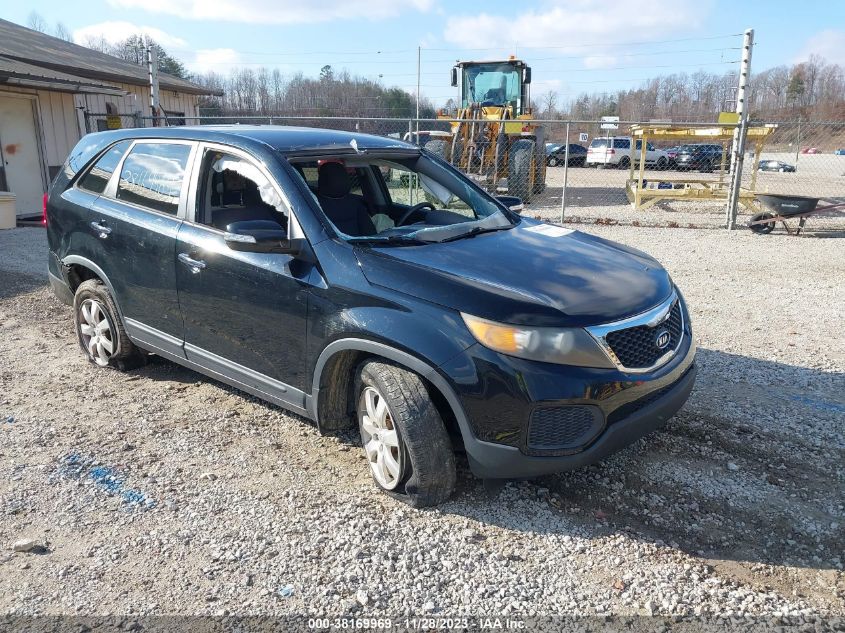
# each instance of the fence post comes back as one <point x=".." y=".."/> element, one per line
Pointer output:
<point x="565" y="175"/>
<point x="740" y="132"/>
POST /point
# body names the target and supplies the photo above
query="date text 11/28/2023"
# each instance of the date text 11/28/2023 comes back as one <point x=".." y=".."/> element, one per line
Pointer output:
<point x="418" y="624"/>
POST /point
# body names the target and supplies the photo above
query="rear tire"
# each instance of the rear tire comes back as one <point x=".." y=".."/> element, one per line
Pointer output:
<point x="519" y="169"/>
<point x="624" y="162"/>
<point x="662" y="163"/>
<point x="404" y="439"/>
<point x="762" y="229"/>
<point x="98" y="327"/>
<point x="552" y="162"/>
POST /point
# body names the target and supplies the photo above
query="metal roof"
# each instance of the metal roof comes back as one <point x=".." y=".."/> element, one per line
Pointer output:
<point x="18" y="73"/>
<point x="39" y="49"/>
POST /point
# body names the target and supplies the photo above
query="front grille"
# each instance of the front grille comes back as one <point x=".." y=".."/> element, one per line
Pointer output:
<point x="635" y="347"/>
<point x="563" y="428"/>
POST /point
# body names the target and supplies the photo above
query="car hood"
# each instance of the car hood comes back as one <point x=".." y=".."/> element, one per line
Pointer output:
<point x="523" y="276"/>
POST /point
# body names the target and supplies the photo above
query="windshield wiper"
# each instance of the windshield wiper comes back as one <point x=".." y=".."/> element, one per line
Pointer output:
<point x="386" y="239"/>
<point x="476" y="230"/>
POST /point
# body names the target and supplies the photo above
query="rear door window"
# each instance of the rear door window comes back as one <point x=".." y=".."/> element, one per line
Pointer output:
<point x="622" y="143"/>
<point x="100" y="173"/>
<point x="153" y="174"/>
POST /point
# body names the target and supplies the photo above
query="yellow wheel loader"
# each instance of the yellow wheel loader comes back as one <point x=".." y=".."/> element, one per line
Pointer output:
<point x="492" y="137"/>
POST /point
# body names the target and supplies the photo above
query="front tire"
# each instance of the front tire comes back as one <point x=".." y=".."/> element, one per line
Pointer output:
<point x="405" y="442"/>
<point x="98" y="327"/>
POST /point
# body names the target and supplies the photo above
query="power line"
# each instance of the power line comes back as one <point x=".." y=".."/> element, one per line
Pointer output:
<point x="594" y="70"/>
<point x="596" y="44"/>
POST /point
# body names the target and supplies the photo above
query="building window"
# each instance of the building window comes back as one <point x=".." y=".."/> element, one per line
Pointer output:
<point x="175" y="118"/>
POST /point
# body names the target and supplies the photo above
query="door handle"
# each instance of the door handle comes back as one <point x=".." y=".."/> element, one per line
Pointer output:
<point x="195" y="265"/>
<point x="102" y="230"/>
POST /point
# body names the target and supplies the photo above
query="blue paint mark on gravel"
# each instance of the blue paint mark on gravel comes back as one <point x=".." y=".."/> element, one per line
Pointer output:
<point x="818" y="404"/>
<point x="106" y="478"/>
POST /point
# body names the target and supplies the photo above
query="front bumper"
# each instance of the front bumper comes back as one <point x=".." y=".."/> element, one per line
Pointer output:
<point x="495" y="461"/>
<point x="499" y="396"/>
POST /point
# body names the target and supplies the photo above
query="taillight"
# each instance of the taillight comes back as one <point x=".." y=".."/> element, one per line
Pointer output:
<point x="44" y="210"/>
<point x="611" y="151"/>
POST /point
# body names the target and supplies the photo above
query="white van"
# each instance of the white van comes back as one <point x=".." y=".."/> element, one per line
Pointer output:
<point x="615" y="151"/>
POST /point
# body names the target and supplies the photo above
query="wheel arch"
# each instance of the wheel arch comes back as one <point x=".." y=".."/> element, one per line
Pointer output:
<point x="74" y="265"/>
<point x="333" y="377"/>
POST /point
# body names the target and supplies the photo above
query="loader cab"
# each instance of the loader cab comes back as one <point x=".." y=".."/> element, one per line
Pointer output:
<point x="494" y="84"/>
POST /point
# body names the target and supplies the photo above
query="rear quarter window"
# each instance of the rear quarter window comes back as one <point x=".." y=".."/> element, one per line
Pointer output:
<point x="97" y="177"/>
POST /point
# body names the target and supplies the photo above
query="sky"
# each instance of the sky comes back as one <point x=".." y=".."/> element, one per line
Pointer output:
<point x="573" y="46"/>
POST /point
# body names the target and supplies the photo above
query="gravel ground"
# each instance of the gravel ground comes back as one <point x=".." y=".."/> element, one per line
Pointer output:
<point x="160" y="491"/>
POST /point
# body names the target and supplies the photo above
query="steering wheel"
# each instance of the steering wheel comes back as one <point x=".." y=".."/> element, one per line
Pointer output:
<point x="414" y="209"/>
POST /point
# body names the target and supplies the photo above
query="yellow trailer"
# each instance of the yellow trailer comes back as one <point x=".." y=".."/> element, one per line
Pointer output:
<point x="642" y="193"/>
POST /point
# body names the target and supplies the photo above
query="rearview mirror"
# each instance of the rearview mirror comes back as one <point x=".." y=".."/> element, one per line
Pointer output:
<point x="527" y="76"/>
<point x="512" y="202"/>
<point x="454" y="77"/>
<point x="260" y="236"/>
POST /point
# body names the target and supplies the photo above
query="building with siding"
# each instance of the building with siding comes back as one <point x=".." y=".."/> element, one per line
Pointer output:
<point x="48" y="85"/>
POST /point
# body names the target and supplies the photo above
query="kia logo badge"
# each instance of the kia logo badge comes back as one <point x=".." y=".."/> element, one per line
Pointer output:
<point x="662" y="339"/>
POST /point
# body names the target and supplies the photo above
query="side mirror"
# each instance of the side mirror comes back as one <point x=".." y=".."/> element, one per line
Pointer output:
<point x="527" y="75"/>
<point x="512" y="202"/>
<point x="260" y="236"/>
<point x="454" y="77"/>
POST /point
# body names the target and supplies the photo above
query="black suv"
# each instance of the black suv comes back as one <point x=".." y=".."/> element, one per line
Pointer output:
<point x="361" y="279"/>
<point x="703" y="157"/>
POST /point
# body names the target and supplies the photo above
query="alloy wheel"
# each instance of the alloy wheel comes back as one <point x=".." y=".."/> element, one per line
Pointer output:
<point x="380" y="439"/>
<point x="95" y="332"/>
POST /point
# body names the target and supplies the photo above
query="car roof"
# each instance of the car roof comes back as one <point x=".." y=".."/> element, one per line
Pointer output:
<point x="280" y="137"/>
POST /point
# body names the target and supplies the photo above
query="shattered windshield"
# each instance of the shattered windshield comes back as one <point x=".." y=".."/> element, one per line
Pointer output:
<point x="400" y="198"/>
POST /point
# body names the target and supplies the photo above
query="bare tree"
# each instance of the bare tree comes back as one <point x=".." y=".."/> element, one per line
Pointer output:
<point x="36" y="22"/>
<point x="549" y="103"/>
<point x="62" y="32"/>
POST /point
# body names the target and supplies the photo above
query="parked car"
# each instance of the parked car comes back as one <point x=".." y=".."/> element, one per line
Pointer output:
<point x="292" y="264"/>
<point x="671" y="154"/>
<point x="840" y="152"/>
<point x="700" y="156"/>
<point x="557" y="156"/>
<point x="616" y="152"/>
<point x="811" y="150"/>
<point x="775" y="165"/>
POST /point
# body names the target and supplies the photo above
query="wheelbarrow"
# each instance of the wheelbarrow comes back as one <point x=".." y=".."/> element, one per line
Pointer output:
<point x="783" y="208"/>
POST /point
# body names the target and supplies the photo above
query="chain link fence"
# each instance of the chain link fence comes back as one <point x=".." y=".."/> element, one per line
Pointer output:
<point x="579" y="172"/>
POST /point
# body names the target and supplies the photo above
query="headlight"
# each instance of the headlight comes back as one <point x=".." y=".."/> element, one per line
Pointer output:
<point x="565" y="346"/>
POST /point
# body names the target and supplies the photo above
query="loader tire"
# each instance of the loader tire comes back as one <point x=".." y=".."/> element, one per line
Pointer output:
<point x="519" y="169"/>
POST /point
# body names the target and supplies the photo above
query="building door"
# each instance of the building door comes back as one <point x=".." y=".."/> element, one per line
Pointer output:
<point x="19" y="152"/>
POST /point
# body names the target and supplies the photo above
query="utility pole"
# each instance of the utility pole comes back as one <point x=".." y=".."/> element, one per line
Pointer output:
<point x="152" y="69"/>
<point x="419" y="59"/>
<point x="740" y="131"/>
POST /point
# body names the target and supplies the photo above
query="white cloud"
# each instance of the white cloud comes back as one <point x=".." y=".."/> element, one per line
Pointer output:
<point x="213" y="59"/>
<point x="278" y="11"/>
<point x="600" y="61"/>
<point x="573" y="27"/>
<point x="829" y="44"/>
<point x="114" y="32"/>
